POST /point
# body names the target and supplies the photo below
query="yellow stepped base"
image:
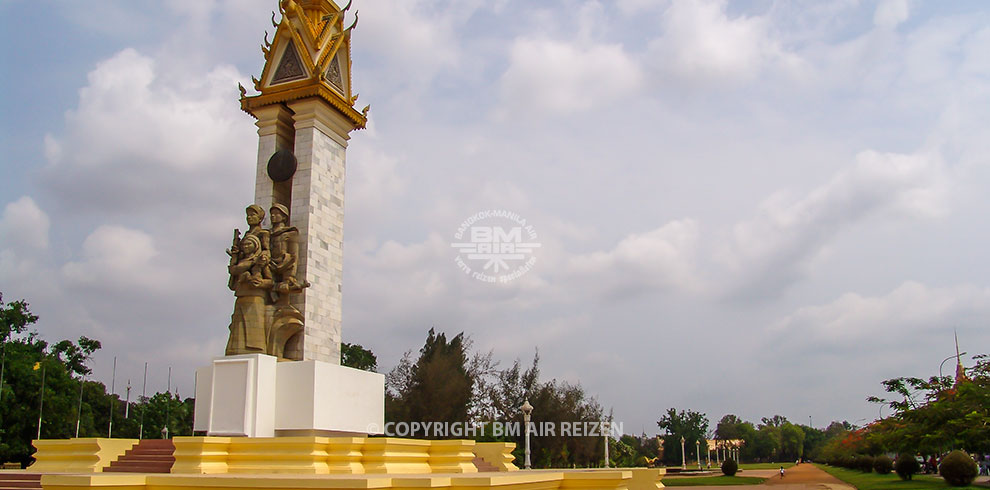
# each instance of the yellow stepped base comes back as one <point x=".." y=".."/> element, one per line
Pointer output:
<point x="334" y="455"/>
<point x="601" y="479"/>
<point x="79" y="455"/>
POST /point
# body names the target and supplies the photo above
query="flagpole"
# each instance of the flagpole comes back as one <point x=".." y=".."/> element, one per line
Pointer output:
<point x="144" y="400"/>
<point x="41" y="406"/>
<point x="192" y="432"/>
<point x="168" y="402"/>
<point x="79" y="410"/>
<point x="113" y="390"/>
<point x="3" y="361"/>
<point x="127" y="404"/>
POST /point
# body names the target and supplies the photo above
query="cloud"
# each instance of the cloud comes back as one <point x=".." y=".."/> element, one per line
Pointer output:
<point x="115" y="259"/>
<point x="24" y="226"/>
<point x="415" y="37"/>
<point x="661" y="259"/>
<point x="558" y="77"/>
<point x="910" y="310"/>
<point x="137" y="141"/>
<point x="890" y="13"/>
<point x="701" y="43"/>
<point x="776" y="248"/>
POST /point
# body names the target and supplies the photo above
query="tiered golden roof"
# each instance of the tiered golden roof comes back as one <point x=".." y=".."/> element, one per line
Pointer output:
<point x="310" y="56"/>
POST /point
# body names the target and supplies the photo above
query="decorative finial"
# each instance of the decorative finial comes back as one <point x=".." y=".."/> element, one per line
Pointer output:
<point x="268" y="43"/>
<point x="364" y="112"/>
<point x="257" y="83"/>
<point x="348" y="6"/>
<point x="242" y="89"/>
<point x="274" y="24"/>
<point x="353" y="24"/>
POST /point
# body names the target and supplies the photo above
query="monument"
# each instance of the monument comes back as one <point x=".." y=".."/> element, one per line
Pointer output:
<point x="281" y="373"/>
<point x="306" y="418"/>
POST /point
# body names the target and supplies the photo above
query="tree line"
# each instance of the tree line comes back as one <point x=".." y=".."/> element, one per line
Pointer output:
<point x="444" y="382"/>
<point x="929" y="418"/>
<point x="70" y="404"/>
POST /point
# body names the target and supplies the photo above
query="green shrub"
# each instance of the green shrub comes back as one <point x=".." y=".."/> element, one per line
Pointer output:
<point x="864" y="463"/>
<point x="729" y="468"/>
<point x="906" y="466"/>
<point x="883" y="465"/>
<point x="958" y="469"/>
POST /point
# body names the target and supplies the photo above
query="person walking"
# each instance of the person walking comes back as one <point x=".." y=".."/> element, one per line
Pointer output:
<point x="781" y="471"/>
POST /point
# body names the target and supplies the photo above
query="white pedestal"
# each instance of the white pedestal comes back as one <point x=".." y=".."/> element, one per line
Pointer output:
<point x="315" y="396"/>
<point x="236" y="396"/>
<point x="253" y="395"/>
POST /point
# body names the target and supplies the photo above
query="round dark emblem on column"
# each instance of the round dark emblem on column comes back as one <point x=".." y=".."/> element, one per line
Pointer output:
<point x="281" y="165"/>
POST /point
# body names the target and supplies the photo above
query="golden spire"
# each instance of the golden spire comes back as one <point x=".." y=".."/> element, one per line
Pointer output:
<point x="310" y="56"/>
<point x="960" y="370"/>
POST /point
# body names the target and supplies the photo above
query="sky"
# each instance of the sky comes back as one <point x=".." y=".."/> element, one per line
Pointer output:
<point x="754" y="207"/>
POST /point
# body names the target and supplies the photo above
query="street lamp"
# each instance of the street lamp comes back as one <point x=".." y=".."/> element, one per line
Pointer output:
<point x="527" y="410"/>
<point x="683" y="463"/>
<point x="605" y="424"/>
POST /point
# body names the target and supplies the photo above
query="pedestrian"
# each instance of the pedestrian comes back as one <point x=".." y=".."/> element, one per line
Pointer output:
<point x="781" y="471"/>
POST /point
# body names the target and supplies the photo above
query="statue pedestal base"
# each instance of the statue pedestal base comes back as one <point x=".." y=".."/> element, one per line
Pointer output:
<point x="253" y="395"/>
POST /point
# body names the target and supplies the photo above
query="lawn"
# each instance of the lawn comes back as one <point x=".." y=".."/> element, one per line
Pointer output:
<point x="701" y="481"/>
<point x="764" y="466"/>
<point x="874" y="481"/>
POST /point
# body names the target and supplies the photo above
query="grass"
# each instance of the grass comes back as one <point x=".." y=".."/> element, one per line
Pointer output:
<point x="764" y="466"/>
<point x="701" y="481"/>
<point x="874" y="481"/>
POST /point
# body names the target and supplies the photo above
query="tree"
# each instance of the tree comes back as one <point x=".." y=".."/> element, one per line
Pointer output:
<point x="356" y="356"/>
<point x="26" y="358"/>
<point x="14" y="318"/>
<point x="691" y="425"/>
<point x="791" y="441"/>
<point x="436" y="388"/>
<point x="934" y="416"/>
<point x="728" y="428"/>
<point x="814" y="439"/>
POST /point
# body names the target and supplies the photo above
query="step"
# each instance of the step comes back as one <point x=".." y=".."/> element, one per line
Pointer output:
<point x="156" y="443"/>
<point x="483" y="466"/>
<point x="20" y="484"/>
<point x="139" y="469"/>
<point x="164" y="450"/>
<point x="18" y="475"/>
<point x="148" y="457"/>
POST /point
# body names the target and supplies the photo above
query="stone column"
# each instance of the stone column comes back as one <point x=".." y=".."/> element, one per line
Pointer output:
<point x="275" y="131"/>
<point x="317" y="210"/>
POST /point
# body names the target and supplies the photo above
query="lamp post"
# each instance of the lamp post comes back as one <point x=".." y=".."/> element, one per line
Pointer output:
<point x="683" y="461"/>
<point x="527" y="410"/>
<point x="697" y="451"/>
<point x="605" y="433"/>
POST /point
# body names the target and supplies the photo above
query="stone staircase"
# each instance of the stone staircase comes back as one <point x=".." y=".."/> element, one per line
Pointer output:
<point x="483" y="466"/>
<point x="17" y="480"/>
<point x="148" y="456"/>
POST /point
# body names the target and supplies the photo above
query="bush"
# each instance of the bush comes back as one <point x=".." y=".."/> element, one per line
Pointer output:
<point x="906" y="466"/>
<point x="864" y="463"/>
<point x="729" y="468"/>
<point x="883" y="465"/>
<point x="958" y="469"/>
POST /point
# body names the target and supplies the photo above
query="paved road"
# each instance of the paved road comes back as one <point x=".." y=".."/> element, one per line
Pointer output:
<point x="800" y="477"/>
